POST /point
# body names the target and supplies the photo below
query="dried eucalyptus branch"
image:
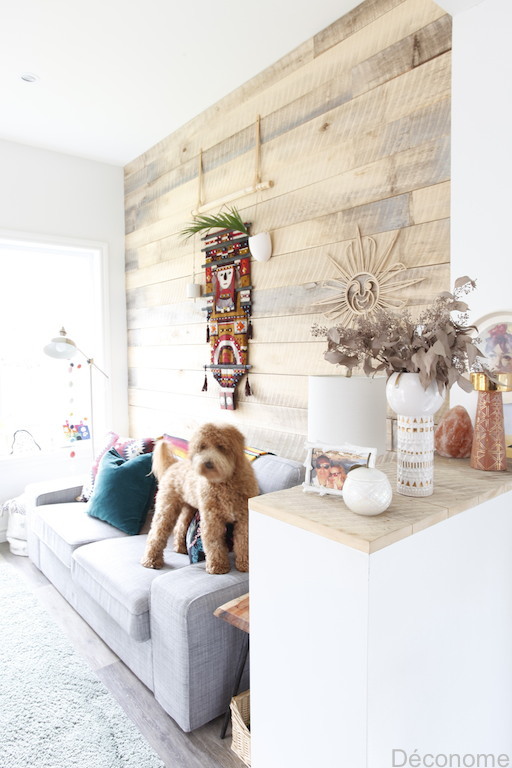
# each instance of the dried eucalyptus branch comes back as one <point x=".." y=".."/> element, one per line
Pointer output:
<point x="435" y="345"/>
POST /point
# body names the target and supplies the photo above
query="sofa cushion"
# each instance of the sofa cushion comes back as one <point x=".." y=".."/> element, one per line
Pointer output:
<point x="64" y="527"/>
<point x="129" y="447"/>
<point x="178" y="445"/>
<point x="180" y="448"/>
<point x="194" y="540"/>
<point x="273" y="473"/>
<point x="110" y="572"/>
<point x="123" y="491"/>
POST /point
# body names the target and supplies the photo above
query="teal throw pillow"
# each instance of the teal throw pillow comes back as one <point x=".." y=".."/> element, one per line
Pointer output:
<point x="123" y="491"/>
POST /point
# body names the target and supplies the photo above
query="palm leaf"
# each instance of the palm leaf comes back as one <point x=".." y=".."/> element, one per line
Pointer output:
<point x="230" y="219"/>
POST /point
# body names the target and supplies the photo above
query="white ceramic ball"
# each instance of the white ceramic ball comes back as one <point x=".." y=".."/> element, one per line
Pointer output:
<point x="367" y="491"/>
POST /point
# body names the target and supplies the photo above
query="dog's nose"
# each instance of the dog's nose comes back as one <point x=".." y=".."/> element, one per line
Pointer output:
<point x="209" y="464"/>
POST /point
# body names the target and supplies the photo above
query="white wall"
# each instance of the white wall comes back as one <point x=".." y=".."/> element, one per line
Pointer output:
<point x="55" y="195"/>
<point x="482" y="157"/>
<point x="482" y="152"/>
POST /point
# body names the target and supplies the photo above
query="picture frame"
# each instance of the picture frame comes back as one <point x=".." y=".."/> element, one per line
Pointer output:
<point x="327" y="465"/>
<point x="495" y="333"/>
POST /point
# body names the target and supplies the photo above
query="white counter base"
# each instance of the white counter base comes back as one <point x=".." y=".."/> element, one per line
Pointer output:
<point x="354" y="655"/>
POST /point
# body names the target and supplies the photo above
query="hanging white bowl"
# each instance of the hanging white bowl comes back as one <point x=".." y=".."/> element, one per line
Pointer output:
<point x="260" y="246"/>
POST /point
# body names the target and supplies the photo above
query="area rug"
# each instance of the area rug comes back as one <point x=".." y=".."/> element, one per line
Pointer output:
<point x="54" y="711"/>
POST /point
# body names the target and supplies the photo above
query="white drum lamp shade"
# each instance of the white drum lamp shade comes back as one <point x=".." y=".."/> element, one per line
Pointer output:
<point x="350" y="410"/>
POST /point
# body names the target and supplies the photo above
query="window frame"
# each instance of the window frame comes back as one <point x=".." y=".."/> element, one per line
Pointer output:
<point x="101" y="354"/>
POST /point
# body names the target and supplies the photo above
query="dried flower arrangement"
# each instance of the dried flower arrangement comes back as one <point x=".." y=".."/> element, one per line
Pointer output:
<point x="434" y="345"/>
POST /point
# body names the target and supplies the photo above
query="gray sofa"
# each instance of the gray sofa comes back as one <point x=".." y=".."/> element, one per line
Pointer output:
<point x="160" y="623"/>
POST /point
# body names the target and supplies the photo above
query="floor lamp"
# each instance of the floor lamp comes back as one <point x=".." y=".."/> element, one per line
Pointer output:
<point x="62" y="347"/>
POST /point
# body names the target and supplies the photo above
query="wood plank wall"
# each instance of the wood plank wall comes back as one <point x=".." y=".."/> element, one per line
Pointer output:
<point x="355" y="127"/>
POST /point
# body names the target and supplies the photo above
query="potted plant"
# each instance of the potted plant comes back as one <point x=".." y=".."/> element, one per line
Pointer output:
<point x="260" y="245"/>
<point x="422" y="358"/>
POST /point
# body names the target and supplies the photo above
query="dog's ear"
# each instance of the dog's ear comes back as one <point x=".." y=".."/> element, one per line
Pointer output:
<point x="196" y="439"/>
<point x="235" y="435"/>
<point x="236" y="441"/>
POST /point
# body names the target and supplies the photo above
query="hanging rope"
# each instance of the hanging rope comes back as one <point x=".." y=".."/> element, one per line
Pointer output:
<point x="200" y="180"/>
<point x="257" y="150"/>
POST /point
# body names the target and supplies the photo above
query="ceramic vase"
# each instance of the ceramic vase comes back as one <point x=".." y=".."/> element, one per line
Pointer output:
<point x="489" y="451"/>
<point x="415" y="408"/>
<point x="260" y="246"/>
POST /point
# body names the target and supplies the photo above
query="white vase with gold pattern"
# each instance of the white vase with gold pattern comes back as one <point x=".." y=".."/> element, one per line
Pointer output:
<point x="415" y="408"/>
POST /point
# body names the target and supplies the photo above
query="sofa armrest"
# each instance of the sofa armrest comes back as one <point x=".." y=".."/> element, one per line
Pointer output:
<point x="53" y="491"/>
<point x="194" y="652"/>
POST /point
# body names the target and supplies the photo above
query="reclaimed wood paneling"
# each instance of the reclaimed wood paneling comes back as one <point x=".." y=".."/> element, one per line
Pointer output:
<point x="355" y="127"/>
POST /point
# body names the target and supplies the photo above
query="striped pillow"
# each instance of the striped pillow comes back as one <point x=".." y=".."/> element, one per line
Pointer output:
<point x="180" y="448"/>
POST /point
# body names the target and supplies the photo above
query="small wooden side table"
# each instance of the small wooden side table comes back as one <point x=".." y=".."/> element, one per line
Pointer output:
<point x="236" y="613"/>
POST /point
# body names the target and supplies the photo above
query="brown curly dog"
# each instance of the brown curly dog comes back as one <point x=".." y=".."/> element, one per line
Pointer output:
<point x="217" y="479"/>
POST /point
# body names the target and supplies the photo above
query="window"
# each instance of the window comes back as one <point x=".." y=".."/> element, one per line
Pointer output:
<point x="44" y="286"/>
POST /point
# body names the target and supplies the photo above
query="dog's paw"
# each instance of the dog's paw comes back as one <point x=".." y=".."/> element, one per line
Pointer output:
<point x="217" y="566"/>
<point x="242" y="564"/>
<point x="152" y="562"/>
<point x="180" y="548"/>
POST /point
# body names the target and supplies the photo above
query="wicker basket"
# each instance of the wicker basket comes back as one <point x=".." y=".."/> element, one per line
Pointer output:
<point x="240" y="718"/>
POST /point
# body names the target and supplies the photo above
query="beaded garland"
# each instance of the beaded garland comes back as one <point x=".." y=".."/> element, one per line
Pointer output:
<point x="74" y="430"/>
<point x="228" y="310"/>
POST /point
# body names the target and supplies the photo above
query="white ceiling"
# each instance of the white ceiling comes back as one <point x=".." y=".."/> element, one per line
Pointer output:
<point x="116" y="76"/>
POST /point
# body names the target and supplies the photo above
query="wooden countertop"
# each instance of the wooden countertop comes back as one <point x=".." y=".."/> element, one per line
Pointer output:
<point x="457" y="487"/>
<point x="236" y="612"/>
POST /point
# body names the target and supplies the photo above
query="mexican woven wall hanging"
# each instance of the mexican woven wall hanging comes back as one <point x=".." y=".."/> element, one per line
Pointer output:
<point x="228" y="310"/>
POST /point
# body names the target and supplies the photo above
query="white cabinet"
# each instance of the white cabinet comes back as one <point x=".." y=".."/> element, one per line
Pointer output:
<point x="375" y="637"/>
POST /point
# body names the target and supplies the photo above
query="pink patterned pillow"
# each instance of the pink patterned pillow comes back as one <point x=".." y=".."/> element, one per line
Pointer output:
<point x="108" y="443"/>
<point x="129" y="447"/>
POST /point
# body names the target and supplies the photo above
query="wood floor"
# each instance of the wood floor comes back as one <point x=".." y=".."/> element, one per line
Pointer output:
<point x="200" y="749"/>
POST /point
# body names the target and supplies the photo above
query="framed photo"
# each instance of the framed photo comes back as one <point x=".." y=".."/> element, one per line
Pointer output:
<point x="495" y="332"/>
<point x="327" y="466"/>
<point x="507" y="418"/>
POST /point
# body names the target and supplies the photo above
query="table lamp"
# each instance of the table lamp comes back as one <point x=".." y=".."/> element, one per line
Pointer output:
<point x="347" y="409"/>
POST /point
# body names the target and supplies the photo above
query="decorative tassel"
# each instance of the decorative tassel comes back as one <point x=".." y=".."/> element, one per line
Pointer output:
<point x="247" y="388"/>
<point x="207" y="333"/>
<point x="205" y="385"/>
<point x="249" y="330"/>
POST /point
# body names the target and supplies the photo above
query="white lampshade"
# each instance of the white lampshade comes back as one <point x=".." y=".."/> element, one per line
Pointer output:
<point x="60" y="346"/>
<point x="350" y="410"/>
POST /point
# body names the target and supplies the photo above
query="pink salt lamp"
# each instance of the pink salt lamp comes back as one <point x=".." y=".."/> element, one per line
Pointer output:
<point x="454" y="434"/>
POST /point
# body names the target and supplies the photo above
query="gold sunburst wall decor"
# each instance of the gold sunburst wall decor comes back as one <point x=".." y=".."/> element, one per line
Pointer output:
<point x="366" y="281"/>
